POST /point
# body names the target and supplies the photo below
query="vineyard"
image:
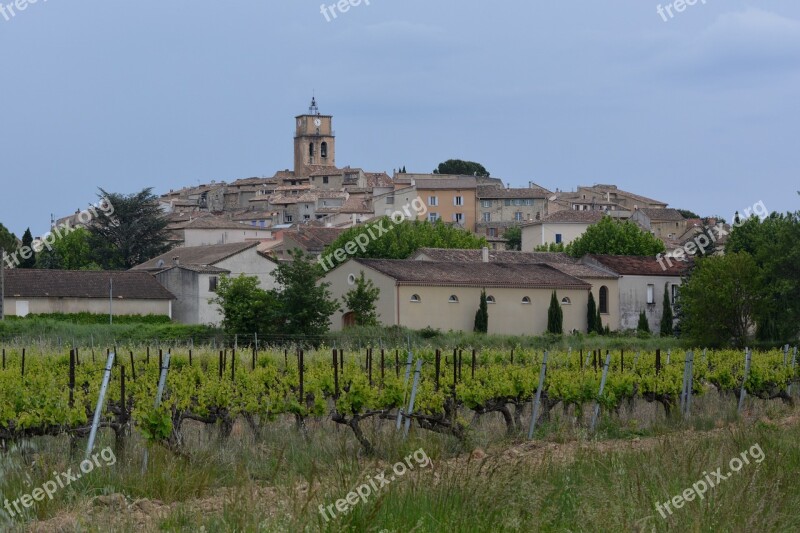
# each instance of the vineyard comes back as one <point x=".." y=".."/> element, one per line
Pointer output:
<point x="55" y="392"/>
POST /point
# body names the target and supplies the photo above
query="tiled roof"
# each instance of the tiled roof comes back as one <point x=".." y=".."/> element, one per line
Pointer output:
<point x="630" y="265"/>
<point x="196" y="255"/>
<point x="474" y="274"/>
<point x="663" y="215"/>
<point x="127" y="285"/>
<point x="213" y="223"/>
<point x="313" y="239"/>
<point x="463" y="182"/>
<point x="571" y="216"/>
<point x="602" y="189"/>
<point x="489" y="191"/>
<point x="201" y="269"/>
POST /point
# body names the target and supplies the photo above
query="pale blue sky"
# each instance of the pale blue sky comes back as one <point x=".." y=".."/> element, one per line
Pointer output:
<point x="702" y="111"/>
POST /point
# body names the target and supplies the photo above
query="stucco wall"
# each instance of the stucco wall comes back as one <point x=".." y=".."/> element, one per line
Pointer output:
<point x="545" y="233"/>
<point x="206" y="237"/>
<point x="98" y="306"/>
<point x="183" y="284"/>
<point x="633" y="299"/>
<point x="339" y="279"/>
<point x="250" y="263"/>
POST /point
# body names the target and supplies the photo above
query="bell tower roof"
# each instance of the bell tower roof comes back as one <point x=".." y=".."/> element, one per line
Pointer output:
<point x="313" y="109"/>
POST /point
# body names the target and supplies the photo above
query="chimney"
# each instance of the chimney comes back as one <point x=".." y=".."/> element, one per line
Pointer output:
<point x="485" y="254"/>
<point x="176" y="260"/>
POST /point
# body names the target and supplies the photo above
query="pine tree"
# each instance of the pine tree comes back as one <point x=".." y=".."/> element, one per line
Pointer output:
<point x="482" y="315"/>
<point x="555" y="316"/>
<point x="591" y="314"/>
<point x="27" y="248"/>
<point x="643" y="325"/>
<point x="666" y="314"/>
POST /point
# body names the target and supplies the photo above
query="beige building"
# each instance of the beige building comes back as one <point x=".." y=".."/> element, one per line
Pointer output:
<point x="663" y="223"/>
<point x="446" y="295"/>
<point x="450" y="199"/>
<point x="205" y="231"/>
<point x="601" y="198"/>
<point x="30" y="291"/>
<point x="559" y="227"/>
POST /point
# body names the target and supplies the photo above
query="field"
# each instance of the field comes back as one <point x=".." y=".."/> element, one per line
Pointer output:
<point x="275" y="439"/>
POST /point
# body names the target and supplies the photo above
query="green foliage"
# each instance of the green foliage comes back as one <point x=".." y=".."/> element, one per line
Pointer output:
<point x="591" y="314"/>
<point x="667" y="325"/>
<point x="513" y="236"/>
<point x="688" y="214"/>
<point x="91" y="318"/>
<point x="361" y="301"/>
<point x="305" y="303"/>
<point x="598" y="324"/>
<point x="613" y="237"/>
<point x="482" y="315"/>
<point x="133" y="233"/>
<point x="643" y="325"/>
<point x="246" y="307"/>
<point x="461" y="168"/>
<point x="27" y="245"/>
<point x="551" y="247"/>
<point x="555" y="316"/>
<point x="720" y="299"/>
<point x="8" y="241"/>
<point x="400" y="240"/>
<point x="70" y="251"/>
<point x="774" y="244"/>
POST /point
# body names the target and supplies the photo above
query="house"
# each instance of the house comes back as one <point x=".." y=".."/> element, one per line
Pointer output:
<point x="604" y="284"/>
<point x="30" y="291"/>
<point x="663" y="223"/>
<point x="450" y="199"/>
<point x="209" y="230"/>
<point x="601" y="198"/>
<point x="518" y="205"/>
<point x="446" y="295"/>
<point x="311" y="240"/>
<point x="559" y="227"/>
<point x="192" y="275"/>
<point x="641" y="285"/>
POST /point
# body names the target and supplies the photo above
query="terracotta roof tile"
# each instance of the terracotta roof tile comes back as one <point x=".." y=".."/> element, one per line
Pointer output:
<point x="630" y="265"/>
<point x="127" y="285"/>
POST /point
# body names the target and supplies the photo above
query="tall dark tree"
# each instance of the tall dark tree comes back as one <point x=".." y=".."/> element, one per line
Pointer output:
<point x="28" y="259"/>
<point x="132" y="233"/>
<point x="482" y="315"/>
<point x="644" y="325"/>
<point x="591" y="314"/>
<point x="462" y="168"/>
<point x="305" y="302"/>
<point x="598" y="324"/>
<point x="555" y="316"/>
<point x="666" y="314"/>
<point x="8" y="241"/>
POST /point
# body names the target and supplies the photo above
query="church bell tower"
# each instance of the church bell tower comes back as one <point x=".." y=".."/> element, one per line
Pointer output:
<point x="314" y="141"/>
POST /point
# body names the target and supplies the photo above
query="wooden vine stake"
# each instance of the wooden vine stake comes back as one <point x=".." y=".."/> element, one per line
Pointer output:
<point x="538" y="398"/>
<point x="743" y="394"/>
<point x="596" y="413"/>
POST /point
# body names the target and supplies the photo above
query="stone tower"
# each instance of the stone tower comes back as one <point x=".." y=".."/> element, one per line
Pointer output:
<point x="314" y="141"/>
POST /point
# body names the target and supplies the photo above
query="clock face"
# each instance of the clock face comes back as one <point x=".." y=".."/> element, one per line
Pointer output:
<point x="317" y="122"/>
<point x="299" y="122"/>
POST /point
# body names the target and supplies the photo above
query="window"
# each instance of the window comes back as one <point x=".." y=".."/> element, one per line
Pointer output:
<point x="458" y="218"/>
<point x="433" y="217"/>
<point x="558" y="238"/>
<point x="390" y="200"/>
<point x="486" y="203"/>
<point x="453" y="299"/>
<point x="518" y="216"/>
<point x="507" y="202"/>
<point x="458" y="200"/>
<point x="604" y="299"/>
<point x="529" y="202"/>
<point x="675" y="293"/>
<point x="433" y="201"/>
<point x="490" y="300"/>
<point x="253" y="223"/>
<point x="310" y="152"/>
<point x="323" y="150"/>
<point x="306" y="217"/>
<point x="213" y="281"/>
<point x="415" y="299"/>
<point x="487" y="217"/>
<point x="324" y="178"/>
<point x="492" y="232"/>
<point x="651" y="294"/>
<point x="566" y="301"/>
<point x="288" y="218"/>
<point x="526" y="300"/>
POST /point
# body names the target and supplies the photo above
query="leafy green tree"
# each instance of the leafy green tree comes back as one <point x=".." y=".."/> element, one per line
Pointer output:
<point x="387" y="240"/>
<point x="555" y="316"/>
<point x="246" y="307"/>
<point x="482" y="315"/>
<point x="687" y="214"/>
<point x="69" y="251"/>
<point x="551" y="247"/>
<point x="305" y="302"/>
<point x="720" y="300"/>
<point x="462" y="168"/>
<point x="130" y="234"/>
<point x="361" y="301"/>
<point x="615" y="237"/>
<point x="29" y="260"/>
<point x="667" y="323"/>
<point x="8" y="241"/>
<point x="774" y="244"/>
<point x="591" y="314"/>
<point x="513" y="236"/>
<point x="643" y="325"/>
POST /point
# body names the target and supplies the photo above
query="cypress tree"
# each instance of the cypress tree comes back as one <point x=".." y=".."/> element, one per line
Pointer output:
<point x="591" y="314"/>
<point x="666" y="314"/>
<point x="555" y="316"/>
<point x="482" y="315"/>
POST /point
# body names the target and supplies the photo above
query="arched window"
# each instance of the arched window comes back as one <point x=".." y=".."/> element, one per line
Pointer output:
<point x="453" y="299"/>
<point x="490" y="300"/>
<point x="604" y="299"/>
<point x="415" y="299"/>
<point x="323" y="150"/>
<point x="526" y="300"/>
<point x="311" y="150"/>
<point x="566" y="301"/>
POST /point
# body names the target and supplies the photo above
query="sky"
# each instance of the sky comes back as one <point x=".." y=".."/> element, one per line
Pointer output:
<point x="700" y="109"/>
